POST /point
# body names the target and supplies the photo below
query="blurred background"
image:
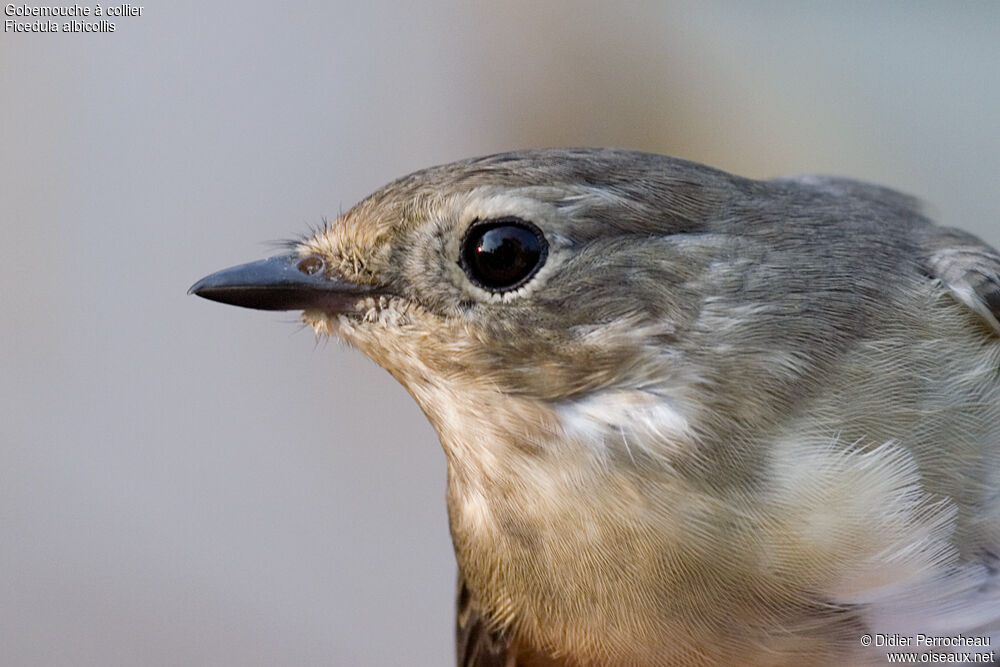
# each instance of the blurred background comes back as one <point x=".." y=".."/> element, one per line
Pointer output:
<point x="183" y="483"/>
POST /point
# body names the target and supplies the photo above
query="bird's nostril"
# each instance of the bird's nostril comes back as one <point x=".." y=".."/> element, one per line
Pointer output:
<point x="311" y="265"/>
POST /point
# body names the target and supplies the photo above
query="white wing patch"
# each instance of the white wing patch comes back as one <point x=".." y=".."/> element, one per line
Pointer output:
<point x="856" y="522"/>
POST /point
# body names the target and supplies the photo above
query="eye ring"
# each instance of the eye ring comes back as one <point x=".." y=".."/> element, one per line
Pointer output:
<point x="501" y="254"/>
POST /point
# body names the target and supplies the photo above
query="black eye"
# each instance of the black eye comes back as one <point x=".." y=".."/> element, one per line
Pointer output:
<point x="503" y="253"/>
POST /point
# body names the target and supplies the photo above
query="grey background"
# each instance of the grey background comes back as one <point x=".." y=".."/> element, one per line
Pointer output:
<point x="183" y="483"/>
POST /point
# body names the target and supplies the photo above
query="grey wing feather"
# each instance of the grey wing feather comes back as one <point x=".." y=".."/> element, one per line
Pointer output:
<point x="969" y="268"/>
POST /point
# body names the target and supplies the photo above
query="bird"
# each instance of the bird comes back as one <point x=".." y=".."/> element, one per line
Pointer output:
<point x="689" y="418"/>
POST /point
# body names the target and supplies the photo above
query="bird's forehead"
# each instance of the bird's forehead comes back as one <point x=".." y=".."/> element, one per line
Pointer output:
<point x="362" y="241"/>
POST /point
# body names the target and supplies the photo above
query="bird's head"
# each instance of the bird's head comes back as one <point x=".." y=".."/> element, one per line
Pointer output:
<point x="517" y="288"/>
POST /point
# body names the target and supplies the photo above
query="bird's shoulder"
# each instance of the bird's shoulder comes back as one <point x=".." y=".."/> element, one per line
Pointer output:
<point x="964" y="264"/>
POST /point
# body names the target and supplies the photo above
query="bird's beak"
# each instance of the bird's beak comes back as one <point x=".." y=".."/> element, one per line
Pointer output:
<point x="284" y="282"/>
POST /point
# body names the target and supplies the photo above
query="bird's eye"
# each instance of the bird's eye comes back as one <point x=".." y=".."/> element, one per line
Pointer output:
<point x="501" y="254"/>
